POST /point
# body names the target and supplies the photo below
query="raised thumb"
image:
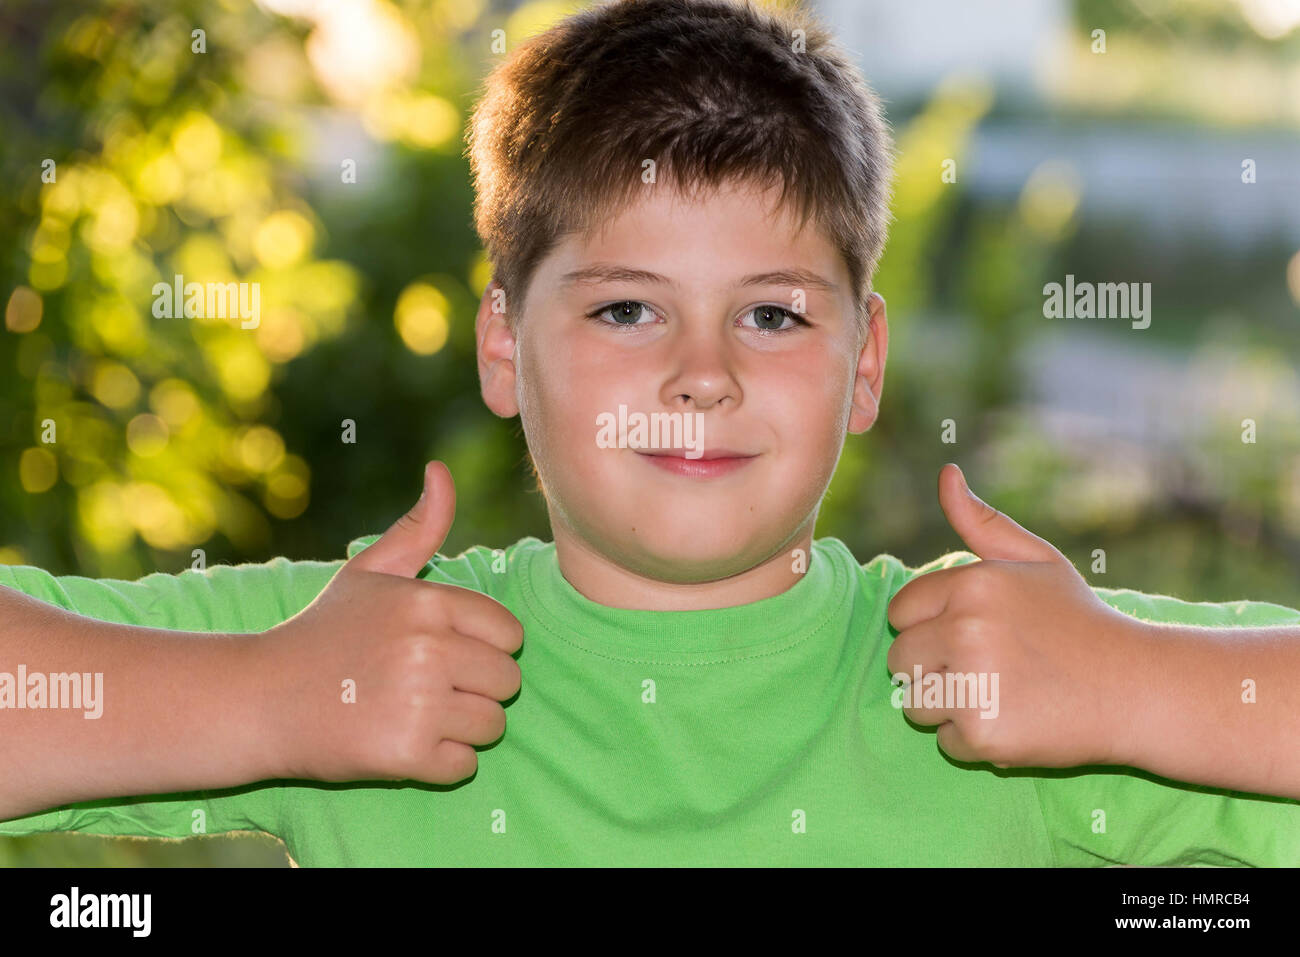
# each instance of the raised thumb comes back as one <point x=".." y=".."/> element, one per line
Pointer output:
<point x="414" y="538"/>
<point x="986" y="531"/>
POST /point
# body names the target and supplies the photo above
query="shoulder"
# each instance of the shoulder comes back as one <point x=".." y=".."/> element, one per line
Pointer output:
<point x="891" y="570"/>
<point x="483" y="568"/>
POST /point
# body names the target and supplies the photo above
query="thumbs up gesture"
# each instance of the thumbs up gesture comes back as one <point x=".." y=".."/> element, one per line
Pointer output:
<point x="427" y="663"/>
<point x="1019" y="662"/>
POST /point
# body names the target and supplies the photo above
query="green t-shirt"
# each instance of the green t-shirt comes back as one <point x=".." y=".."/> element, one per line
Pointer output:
<point x="762" y="734"/>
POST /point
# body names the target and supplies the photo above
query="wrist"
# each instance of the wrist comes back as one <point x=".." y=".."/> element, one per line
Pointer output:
<point x="261" y="695"/>
<point x="1132" y="723"/>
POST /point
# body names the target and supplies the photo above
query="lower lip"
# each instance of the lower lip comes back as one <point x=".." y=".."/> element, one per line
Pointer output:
<point x="697" y="468"/>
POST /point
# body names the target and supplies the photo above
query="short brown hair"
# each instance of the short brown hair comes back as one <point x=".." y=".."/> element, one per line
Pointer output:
<point x="712" y="91"/>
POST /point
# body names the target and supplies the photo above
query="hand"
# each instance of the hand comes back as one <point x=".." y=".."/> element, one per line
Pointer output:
<point x="1056" y="661"/>
<point x="430" y="662"/>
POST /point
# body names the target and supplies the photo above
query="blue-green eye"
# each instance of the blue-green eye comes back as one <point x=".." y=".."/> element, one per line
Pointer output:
<point x="773" y="314"/>
<point x="625" y="313"/>
<point x="629" y="312"/>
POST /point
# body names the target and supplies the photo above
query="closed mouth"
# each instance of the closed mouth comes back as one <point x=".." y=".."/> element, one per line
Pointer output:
<point x="707" y="456"/>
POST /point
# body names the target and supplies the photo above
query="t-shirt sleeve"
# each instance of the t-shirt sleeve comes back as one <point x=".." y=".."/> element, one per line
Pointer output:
<point x="1100" y="816"/>
<point x="246" y="598"/>
<point x="254" y="807"/>
<point x="230" y="598"/>
<point x="1228" y="614"/>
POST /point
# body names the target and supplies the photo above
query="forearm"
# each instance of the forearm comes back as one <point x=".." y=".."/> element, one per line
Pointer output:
<point x="177" y="711"/>
<point x="1219" y="707"/>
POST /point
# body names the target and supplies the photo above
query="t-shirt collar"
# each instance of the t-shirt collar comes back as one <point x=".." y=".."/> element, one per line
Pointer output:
<point x="758" y="628"/>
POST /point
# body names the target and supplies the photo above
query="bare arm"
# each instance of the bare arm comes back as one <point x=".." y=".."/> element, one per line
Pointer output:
<point x="177" y="710"/>
<point x="343" y="671"/>
<point x="1218" y="706"/>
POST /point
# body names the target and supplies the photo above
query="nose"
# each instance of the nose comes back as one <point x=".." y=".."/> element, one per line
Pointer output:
<point x="702" y="369"/>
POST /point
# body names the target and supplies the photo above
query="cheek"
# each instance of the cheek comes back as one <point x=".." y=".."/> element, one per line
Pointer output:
<point x="813" y="394"/>
<point x="540" y="409"/>
<point x="548" y="383"/>
<point x="567" y="389"/>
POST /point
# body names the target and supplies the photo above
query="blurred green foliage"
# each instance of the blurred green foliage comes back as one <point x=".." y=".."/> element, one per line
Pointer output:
<point x="171" y="434"/>
<point x="230" y="165"/>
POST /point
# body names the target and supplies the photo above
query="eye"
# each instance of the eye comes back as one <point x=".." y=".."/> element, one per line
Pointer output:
<point x="770" y="319"/>
<point x="625" y="313"/>
<point x="628" y="312"/>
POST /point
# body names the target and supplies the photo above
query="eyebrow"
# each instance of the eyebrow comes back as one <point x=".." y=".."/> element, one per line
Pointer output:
<point x="606" y="272"/>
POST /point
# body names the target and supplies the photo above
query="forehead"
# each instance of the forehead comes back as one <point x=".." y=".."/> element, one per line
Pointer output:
<point x="731" y="207"/>
<point x="706" y="234"/>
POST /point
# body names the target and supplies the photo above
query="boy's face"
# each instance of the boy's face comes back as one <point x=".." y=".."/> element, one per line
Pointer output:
<point x="768" y="388"/>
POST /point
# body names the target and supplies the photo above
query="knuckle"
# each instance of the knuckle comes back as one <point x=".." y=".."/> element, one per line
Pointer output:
<point x="431" y="602"/>
<point x="497" y="724"/>
<point x="514" y="674"/>
<point x="952" y="740"/>
<point x="978" y="582"/>
<point x="456" y="761"/>
<point x="404" y="752"/>
<point x="900" y="596"/>
<point x="984" y="740"/>
<point x="423" y="699"/>
<point x="468" y="763"/>
<point x="424" y="651"/>
<point x="409" y="520"/>
<point x="896" y="659"/>
<point x="968" y="632"/>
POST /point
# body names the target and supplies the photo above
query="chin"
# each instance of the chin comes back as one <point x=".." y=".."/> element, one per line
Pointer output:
<point x="689" y="556"/>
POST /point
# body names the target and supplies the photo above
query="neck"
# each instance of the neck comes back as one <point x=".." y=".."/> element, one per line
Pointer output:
<point x="602" y="579"/>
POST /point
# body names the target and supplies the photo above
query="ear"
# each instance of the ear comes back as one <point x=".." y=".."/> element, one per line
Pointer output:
<point x="870" y="375"/>
<point x="496" y="353"/>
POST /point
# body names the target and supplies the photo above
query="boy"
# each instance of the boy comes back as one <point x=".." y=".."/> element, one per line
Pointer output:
<point x="684" y="208"/>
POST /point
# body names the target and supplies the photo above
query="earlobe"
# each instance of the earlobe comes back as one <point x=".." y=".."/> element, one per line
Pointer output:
<point x="869" y="376"/>
<point x="496" y="351"/>
<point x="865" y="407"/>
